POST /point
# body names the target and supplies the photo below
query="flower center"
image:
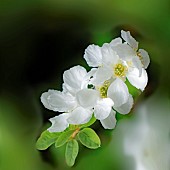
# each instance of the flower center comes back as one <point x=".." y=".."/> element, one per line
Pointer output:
<point x="120" y="70"/>
<point x="103" y="89"/>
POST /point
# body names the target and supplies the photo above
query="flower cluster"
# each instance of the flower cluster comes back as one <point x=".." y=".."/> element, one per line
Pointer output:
<point x="102" y="91"/>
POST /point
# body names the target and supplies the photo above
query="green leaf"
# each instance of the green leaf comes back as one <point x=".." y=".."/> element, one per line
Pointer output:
<point x="132" y="90"/>
<point x="89" y="138"/>
<point x="91" y="121"/>
<point x="71" y="153"/>
<point x="46" y="139"/>
<point x="63" y="138"/>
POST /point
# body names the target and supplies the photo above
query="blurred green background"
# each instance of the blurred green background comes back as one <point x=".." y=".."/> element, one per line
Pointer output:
<point x="39" y="40"/>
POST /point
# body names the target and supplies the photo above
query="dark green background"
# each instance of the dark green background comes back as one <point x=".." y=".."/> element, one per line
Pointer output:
<point x="39" y="40"/>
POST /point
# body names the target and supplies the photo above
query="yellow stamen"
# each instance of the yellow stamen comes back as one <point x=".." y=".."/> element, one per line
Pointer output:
<point x="120" y="70"/>
<point x="103" y="89"/>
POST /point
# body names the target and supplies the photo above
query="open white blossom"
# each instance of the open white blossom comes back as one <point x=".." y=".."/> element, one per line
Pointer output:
<point x="111" y="65"/>
<point x="129" y="52"/>
<point x="112" y="96"/>
<point x="76" y="100"/>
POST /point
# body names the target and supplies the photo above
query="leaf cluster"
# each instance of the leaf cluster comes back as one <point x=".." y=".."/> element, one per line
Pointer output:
<point x="71" y="137"/>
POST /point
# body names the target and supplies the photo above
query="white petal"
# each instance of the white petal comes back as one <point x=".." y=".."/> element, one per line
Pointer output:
<point x="138" y="64"/>
<point x="124" y="51"/>
<point x="106" y="45"/>
<point x="118" y="92"/>
<point x="58" y="101"/>
<point x="109" y="56"/>
<point x="74" y="78"/>
<point x="44" y="99"/>
<point x="110" y="121"/>
<point x="125" y="108"/>
<point x="87" y="98"/>
<point x="103" y="108"/>
<point x="129" y="39"/>
<point x="79" y="116"/>
<point x="93" y="55"/>
<point x="102" y="74"/>
<point x="90" y="74"/>
<point x="145" y="58"/>
<point x="66" y="88"/>
<point x="135" y="80"/>
<point x="59" y="123"/>
<point x="115" y="42"/>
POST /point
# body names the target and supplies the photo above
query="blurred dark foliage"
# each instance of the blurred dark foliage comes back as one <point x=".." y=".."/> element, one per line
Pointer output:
<point x="37" y="48"/>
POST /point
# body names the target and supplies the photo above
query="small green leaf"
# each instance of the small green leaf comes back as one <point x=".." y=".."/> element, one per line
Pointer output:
<point x="89" y="138"/>
<point x="46" y="139"/>
<point x="71" y="153"/>
<point x="63" y="138"/>
<point x="91" y="121"/>
<point x="132" y="90"/>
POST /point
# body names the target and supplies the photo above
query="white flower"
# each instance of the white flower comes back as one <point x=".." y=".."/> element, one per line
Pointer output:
<point x="111" y="65"/>
<point x="76" y="100"/>
<point x="128" y="51"/>
<point x="115" y="96"/>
